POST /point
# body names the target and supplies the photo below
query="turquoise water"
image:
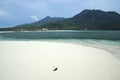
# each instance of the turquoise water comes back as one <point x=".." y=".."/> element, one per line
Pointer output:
<point x="98" y="35"/>
<point x="107" y="40"/>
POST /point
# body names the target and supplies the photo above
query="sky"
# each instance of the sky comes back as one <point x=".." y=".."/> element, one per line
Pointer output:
<point x="16" y="12"/>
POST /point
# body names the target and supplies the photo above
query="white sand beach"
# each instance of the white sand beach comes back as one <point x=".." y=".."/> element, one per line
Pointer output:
<point x="35" y="60"/>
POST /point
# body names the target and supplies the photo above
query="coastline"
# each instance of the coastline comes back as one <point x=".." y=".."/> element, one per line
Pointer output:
<point x="26" y="60"/>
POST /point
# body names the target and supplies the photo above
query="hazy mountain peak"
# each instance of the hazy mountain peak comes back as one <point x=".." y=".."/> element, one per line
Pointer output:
<point x="47" y="17"/>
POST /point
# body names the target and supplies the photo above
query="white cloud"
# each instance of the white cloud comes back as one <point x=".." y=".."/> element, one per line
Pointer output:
<point x="34" y="17"/>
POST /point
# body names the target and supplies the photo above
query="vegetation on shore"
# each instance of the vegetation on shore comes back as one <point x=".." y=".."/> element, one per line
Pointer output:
<point x="86" y="20"/>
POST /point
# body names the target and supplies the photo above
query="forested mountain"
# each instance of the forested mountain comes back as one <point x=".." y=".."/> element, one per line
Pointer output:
<point x="90" y="20"/>
<point x="85" y="20"/>
<point x="45" y="20"/>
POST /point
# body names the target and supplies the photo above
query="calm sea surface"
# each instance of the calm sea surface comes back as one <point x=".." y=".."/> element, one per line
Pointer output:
<point x="98" y="35"/>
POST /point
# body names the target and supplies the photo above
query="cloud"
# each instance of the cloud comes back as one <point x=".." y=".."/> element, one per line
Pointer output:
<point x="35" y="18"/>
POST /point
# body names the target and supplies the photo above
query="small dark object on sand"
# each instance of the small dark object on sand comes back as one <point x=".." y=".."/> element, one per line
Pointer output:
<point x="55" y="69"/>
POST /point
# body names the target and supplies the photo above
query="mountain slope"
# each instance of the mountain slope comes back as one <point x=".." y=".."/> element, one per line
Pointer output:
<point x="91" y="20"/>
<point x="45" y="20"/>
<point x="97" y="19"/>
<point x="49" y="19"/>
<point x="85" y="20"/>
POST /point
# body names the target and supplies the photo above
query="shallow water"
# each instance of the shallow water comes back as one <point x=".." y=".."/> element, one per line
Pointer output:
<point x="107" y="40"/>
<point x="100" y="35"/>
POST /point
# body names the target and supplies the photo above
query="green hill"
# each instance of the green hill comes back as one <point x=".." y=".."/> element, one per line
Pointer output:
<point x="90" y="20"/>
<point x="85" y="20"/>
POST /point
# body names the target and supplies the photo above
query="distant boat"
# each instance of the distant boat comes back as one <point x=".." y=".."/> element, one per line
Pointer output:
<point x="55" y="69"/>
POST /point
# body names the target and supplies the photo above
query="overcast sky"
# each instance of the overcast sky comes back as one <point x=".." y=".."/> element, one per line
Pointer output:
<point x="14" y="12"/>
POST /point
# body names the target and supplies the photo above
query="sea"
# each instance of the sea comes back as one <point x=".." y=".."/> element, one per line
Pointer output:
<point x="106" y="40"/>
